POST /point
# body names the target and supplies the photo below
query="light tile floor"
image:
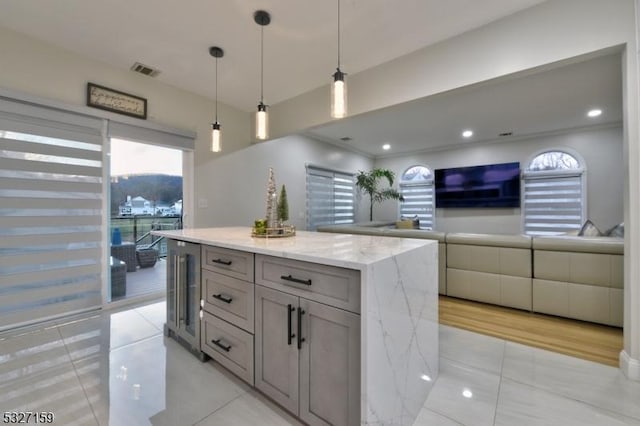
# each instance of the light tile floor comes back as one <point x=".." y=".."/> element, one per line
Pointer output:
<point x="117" y="368"/>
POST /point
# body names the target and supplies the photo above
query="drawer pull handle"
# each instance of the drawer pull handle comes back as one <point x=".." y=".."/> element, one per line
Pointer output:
<point x="295" y="280"/>
<point x="221" y="346"/>
<point x="222" y="262"/>
<point x="290" y="336"/>
<point x="225" y="299"/>
<point x="301" y="339"/>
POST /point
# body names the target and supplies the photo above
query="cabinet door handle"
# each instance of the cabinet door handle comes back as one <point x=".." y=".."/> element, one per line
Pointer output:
<point x="221" y="346"/>
<point x="301" y="339"/>
<point x="222" y="262"/>
<point x="290" y="336"/>
<point x="295" y="280"/>
<point x="225" y="299"/>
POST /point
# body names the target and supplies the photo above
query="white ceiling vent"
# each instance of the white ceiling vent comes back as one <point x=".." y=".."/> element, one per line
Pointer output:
<point x="144" y="69"/>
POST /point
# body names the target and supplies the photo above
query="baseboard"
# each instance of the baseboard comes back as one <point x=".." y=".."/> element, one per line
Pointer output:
<point x="629" y="366"/>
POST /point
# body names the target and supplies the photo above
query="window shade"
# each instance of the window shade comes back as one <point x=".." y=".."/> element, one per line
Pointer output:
<point x="418" y="201"/>
<point x="553" y="204"/>
<point x="330" y="197"/>
<point x="51" y="213"/>
<point x="159" y="136"/>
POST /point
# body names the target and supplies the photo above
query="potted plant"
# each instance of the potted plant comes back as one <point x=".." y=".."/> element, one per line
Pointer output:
<point x="368" y="182"/>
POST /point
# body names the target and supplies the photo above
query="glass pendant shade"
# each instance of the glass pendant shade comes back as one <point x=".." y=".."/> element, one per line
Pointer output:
<point x="262" y="122"/>
<point x="339" y="95"/>
<point x="215" y="137"/>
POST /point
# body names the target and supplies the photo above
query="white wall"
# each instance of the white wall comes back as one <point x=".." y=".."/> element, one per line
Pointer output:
<point x="236" y="184"/>
<point x="601" y="150"/>
<point x="546" y="33"/>
<point x="33" y="67"/>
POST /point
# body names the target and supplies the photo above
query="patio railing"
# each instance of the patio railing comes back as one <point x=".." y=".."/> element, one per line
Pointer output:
<point x="137" y="229"/>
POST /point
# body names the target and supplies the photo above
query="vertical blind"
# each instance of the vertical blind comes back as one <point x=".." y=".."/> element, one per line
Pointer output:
<point x="330" y="197"/>
<point x="418" y="201"/>
<point x="51" y="212"/>
<point x="553" y="204"/>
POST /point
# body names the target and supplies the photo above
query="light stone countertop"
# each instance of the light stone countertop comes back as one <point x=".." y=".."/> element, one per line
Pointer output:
<point x="342" y="250"/>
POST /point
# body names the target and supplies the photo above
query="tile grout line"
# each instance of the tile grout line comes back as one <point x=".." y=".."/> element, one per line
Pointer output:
<point x="75" y="371"/>
<point x="504" y="352"/>
<point x="219" y="408"/>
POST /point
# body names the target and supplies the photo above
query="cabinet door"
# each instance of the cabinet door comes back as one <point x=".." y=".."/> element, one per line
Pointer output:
<point x="329" y="365"/>
<point x="276" y="351"/>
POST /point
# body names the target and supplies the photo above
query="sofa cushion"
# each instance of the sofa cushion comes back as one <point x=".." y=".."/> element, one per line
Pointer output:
<point x="607" y="245"/>
<point x="617" y="231"/>
<point x="589" y="230"/>
<point x="492" y="240"/>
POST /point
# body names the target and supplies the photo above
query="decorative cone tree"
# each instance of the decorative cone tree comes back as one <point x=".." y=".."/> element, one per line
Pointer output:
<point x="271" y="214"/>
<point x="368" y="182"/>
<point x="283" y="206"/>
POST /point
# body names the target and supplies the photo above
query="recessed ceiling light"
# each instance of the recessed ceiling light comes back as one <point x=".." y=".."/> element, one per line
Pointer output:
<point x="425" y="378"/>
<point x="467" y="133"/>
<point x="467" y="393"/>
<point x="386" y="147"/>
<point x="594" y="113"/>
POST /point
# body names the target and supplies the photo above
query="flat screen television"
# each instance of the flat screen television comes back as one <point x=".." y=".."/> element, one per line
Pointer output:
<point x="492" y="185"/>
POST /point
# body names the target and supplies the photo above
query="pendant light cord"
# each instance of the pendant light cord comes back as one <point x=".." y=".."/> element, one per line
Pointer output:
<point x="216" y="90"/>
<point x="261" y="63"/>
<point x="338" y="34"/>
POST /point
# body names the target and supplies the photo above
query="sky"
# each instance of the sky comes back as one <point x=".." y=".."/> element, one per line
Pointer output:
<point x="137" y="158"/>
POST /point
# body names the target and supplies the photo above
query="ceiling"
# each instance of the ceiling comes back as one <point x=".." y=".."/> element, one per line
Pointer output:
<point x="524" y="105"/>
<point x="300" y="55"/>
<point x="300" y="43"/>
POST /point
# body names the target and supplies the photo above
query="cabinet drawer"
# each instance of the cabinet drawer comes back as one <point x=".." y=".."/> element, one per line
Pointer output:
<point x="229" y="298"/>
<point x="330" y="285"/>
<point x="228" y="345"/>
<point x="234" y="263"/>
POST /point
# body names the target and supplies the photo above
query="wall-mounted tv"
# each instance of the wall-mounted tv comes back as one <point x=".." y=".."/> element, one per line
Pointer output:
<point x="492" y="185"/>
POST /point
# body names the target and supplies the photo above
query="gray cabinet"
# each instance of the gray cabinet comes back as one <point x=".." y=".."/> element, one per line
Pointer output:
<point x="307" y="357"/>
<point x="228" y="305"/>
<point x="183" y="293"/>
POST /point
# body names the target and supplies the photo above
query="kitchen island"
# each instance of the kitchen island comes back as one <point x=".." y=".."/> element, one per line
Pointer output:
<point x="336" y="328"/>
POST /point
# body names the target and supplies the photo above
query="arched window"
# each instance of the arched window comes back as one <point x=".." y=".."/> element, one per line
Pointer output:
<point x="416" y="186"/>
<point x="554" y="191"/>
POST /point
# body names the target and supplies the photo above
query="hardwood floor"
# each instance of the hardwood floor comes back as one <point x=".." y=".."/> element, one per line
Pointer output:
<point x="580" y="339"/>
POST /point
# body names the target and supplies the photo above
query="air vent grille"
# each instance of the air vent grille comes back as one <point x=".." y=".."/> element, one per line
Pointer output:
<point x="346" y="139"/>
<point x="506" y="134"/>
<point x="144" y="69"/>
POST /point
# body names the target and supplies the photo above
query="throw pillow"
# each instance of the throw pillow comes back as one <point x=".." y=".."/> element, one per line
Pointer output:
<point x="589" y="230"/>
<point x="617" y="231"/>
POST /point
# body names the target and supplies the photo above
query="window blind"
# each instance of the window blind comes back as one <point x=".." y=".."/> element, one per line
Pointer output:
<point x="418" y="201"/>
<point x="330" y="197"/>
<point x="171" y="138"/>
<point x="553" y="204"/>
<point x="51" y="213"/>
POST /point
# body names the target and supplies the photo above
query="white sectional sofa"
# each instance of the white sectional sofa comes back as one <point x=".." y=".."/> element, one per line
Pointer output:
<point x="490" y="268"/>
<point x="579" y="277"/>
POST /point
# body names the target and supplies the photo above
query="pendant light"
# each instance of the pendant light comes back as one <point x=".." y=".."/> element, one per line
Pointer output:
<point x="216" y="146"/>
<point x="339" y="85"/>
<point x="263" y="19"/>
